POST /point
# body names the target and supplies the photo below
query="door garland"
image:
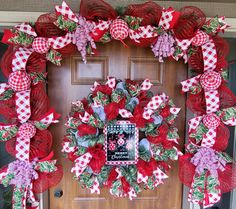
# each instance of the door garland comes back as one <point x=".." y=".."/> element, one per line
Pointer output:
<point x="122" y="109"/>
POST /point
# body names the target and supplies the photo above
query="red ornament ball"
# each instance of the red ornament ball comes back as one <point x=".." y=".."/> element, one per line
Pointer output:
<point x="19" y="81"/>
<point x="119" y="29"/>
<point x="41" y="45"/>
<point x="27" y="130"/>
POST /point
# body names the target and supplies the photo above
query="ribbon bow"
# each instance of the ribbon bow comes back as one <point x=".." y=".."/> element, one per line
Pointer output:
<point x="207" y="163"/>
<point x="22" y="174"/>
<point x="204" y="127"/>
<point x="81" y="164"/>
<point x="118" y="191"/>
<point x="19" y="82"/>
<point x="208" y="49"/>
<point x="210" y="81"/>
<point x="25" y="132"/>
<point x="168" y="18"/>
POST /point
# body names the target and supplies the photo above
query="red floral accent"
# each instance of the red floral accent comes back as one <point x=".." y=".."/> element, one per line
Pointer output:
<point x="98" y="158"/>
<point x="111" y="110"/>
<point x="138" y="117"/>
<point x="85" y="129"/>
<point x="105" y="89"/>
<point x="147" y="168"/>
<point x="165" y="112"/>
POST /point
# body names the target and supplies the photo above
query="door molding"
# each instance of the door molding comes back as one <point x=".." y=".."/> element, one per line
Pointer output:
<point x="16" y="17"/>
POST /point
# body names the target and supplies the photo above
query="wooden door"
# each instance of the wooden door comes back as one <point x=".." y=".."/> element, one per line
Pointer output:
<point x="73" y="80"/>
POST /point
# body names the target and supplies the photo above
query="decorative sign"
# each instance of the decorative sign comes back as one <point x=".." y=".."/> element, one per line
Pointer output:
<point x="121" y="144"/>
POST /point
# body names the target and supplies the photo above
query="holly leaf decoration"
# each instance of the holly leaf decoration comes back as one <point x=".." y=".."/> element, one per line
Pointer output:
<point x="198" y="186"/>
<point x="199" y="132"/>
<point x="227" y="114"/>
<point x="65" y="24"/>
<point x="173" y="134"/>
<point x="38" y="77"/>
<point x="21" y="38"/>
<point x="46" y="166"/>
<point x="101" y="98"/>
<point x="106" y="38"/>
<point x="6" y="94"/>
<point x="133" y="22"/>
<point x="225" y="156"/>
<point x="18" y="195"/>
<point x="73" y="123"/>
<point x="7" y="132"/>
<point x="6" y="180"/>
<point x="195" y="89"/>
<point x="103" y="175"/>
<point x="54" y="56"/>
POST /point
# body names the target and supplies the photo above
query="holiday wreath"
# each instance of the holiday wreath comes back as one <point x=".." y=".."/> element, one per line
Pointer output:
<point x="124" y="136"/>
<point x="121" y="136"/>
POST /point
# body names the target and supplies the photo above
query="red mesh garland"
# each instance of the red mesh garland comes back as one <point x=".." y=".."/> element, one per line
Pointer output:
<point x="40" y="145"/>
<point x="222" y="50"/>
<point x="227" y="178"/>
<point x="36" y="63"/>
<point x="47" y="180"/>
<point x="191" y="19"/>
<point x="143" y="42"/>
<point x="8" y="110"/>
<point x="39" y="101"/>
<point x="227" y="97"/>
<point x="45" y="26"/>
<point x="186" y="170"/>
<point x="97" y="9"/>
<point x="222" y="138"/>
<point x="68" y="50"/>
<point x="197" y="104"/>
<point x="149" y="11"/>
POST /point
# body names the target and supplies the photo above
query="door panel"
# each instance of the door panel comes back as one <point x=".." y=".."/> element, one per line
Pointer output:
<point x="72" y="81"/>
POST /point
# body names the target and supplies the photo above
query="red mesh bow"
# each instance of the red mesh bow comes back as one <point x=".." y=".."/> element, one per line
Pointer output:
<point x="191" y="19"/>
<point x="150" y="12"/>
<point x="97" y="9"/>
<point x="47" y="180"/>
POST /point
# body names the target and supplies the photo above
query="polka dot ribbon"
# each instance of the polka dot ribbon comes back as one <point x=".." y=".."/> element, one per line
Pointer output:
<point x="81" y="164"/>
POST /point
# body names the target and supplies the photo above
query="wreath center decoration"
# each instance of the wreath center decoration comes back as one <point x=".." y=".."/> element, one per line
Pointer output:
<point x="121" y="136"/>
<point x="103" y="137"/>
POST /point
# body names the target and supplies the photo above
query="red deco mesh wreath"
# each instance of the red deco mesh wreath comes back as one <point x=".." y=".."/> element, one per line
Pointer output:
<point x="190" y="20"/>
<point x="36" y="62"/>
<point x="222" y="50"/>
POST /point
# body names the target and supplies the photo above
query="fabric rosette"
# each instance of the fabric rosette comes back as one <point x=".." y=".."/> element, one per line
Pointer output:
<point x="87" y="144"/>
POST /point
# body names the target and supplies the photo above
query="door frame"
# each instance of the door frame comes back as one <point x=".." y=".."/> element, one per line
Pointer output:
<point x="16" y="17"/>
